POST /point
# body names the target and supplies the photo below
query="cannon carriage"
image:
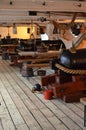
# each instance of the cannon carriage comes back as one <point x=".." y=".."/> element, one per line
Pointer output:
<point x="70" y="69"/>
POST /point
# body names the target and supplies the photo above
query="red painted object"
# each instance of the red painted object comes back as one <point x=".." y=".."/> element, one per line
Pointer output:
<point x="48" y="94"/>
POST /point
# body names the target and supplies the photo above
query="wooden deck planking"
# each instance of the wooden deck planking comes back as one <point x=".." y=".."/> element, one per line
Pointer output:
<point x="70" y="113"/>
<point x="43" y="119"/>
<point x="43" y="114"/>
<point x="69" y="117"/>
<point x="1" y="126"/>
<point x="29" y="119"/>
<point x="75" y="109"/>
<point x="79" y="105"/>
<point x="6" y="122"/>
<point x="60" y="112"/>
<point x="13" y="111"/>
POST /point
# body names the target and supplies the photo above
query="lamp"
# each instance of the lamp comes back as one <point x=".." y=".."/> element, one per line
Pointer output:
<point x="44" y="3"/>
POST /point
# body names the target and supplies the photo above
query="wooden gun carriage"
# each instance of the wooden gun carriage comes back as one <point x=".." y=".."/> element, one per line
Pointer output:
<point x="70" y="69"/>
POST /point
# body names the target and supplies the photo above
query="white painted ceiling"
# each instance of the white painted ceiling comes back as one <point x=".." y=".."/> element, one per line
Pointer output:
<point x="17" y="11"/>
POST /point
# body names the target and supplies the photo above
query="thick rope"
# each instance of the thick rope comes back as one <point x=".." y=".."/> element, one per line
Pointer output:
<point x="71" y="71"/>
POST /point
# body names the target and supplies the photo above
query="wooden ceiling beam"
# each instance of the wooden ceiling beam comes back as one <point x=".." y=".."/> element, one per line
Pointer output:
<point x="73" y="6"/>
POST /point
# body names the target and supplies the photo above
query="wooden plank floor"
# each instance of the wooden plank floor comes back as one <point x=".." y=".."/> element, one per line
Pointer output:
<point x="20" y="109"/>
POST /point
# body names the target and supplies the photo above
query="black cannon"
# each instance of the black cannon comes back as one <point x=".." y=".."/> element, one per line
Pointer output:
<point x="71" y="59"/>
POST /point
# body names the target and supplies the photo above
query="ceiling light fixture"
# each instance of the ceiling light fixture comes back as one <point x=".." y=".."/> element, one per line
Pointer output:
<point x="44" y="3"/>
<point x="11" y="3"/>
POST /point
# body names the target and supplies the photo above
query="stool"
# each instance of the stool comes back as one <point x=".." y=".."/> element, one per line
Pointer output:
<point x="41" y="72"/>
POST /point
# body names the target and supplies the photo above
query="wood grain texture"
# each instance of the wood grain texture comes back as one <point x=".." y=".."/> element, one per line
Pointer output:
<point x="21" y="109"/>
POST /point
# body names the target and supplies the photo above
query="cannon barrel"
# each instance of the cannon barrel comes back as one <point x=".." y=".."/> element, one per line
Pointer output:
<point x="72" y="60"/>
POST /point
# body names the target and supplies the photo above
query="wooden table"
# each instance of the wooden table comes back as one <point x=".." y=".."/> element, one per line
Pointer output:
<point x="83" y="101"/>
